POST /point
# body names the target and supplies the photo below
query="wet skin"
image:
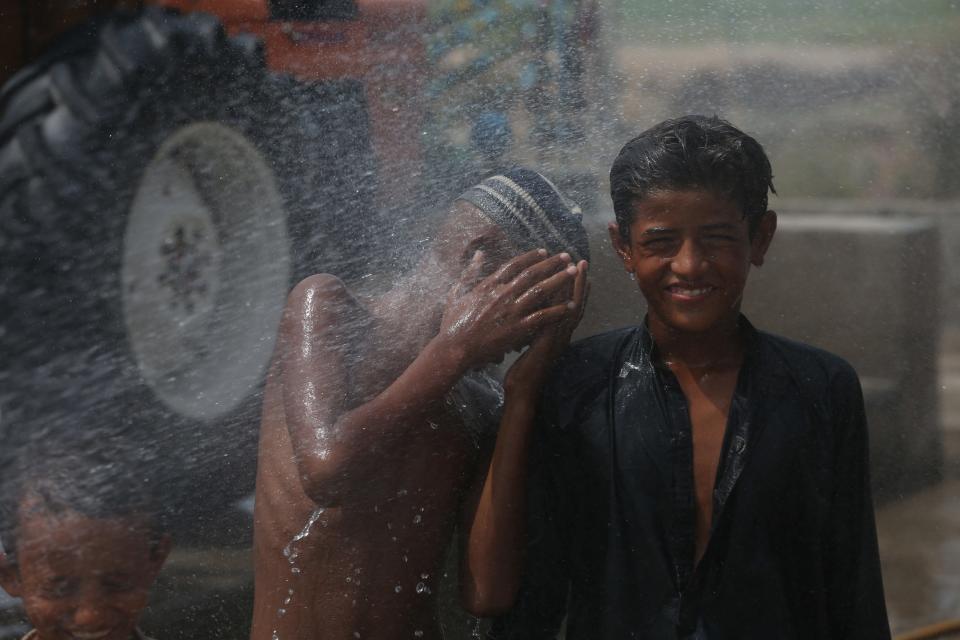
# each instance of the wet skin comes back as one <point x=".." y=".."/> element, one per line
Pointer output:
<point x="355" y="422"/>
<point x="690" y="253"/>
<point x="83" y="578"/>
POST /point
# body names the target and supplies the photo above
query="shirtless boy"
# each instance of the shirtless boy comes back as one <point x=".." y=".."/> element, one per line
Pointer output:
<point x="378" y="419"/>
<point x="695" y="477"/>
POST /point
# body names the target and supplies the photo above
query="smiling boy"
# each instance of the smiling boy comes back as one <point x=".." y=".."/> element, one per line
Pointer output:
<point x="695" y="477"/>
<point x="82" y="542"/>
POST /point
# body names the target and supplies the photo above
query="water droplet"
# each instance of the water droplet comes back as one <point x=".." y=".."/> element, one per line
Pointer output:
<point x="281" y="612"/>
<point x="422" y="588"/>
<point x="289" y="550"/>
<point x="401" y="493"/>
<point x="356" y="634"/>
<point x="295" y="571"/>
<point x="275" y="636"/>
<point x="475" y="632"/>
<point x="397" y="589"/>
<point x="418" y="633"/>
<point x="406" y="559"/>
<point x="424" y="576"/>
<point x="417" y="519"/>
<point x="349" y="579"/>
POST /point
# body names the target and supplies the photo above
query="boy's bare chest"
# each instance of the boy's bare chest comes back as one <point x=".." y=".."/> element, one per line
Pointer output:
<point x="708" y="401"/>
<point x="708" y="423"/>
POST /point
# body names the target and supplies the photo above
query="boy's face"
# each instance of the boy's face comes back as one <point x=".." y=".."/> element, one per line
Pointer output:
<point x="690" y="252"/>
<point x="83" y="578"/>
<point x="471" y="230"/>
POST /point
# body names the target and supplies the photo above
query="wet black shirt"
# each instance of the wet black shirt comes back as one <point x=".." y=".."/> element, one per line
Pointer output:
<point x="611" y="538"/>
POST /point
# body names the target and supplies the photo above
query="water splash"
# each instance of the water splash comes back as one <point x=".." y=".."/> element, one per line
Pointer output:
<point x="291" y="553"/>
<point x="288" y="551"/>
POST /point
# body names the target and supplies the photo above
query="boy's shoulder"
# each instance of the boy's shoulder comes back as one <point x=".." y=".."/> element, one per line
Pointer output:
<point x="583" y="371"/>
<point x="589" y="357"/>
<point x="810" y="367"/>
<point x="593" y="357"/>
<point x="607" y="342"/>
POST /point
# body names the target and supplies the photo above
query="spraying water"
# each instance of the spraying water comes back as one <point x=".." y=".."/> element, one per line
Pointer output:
<point x="291" y="553"/>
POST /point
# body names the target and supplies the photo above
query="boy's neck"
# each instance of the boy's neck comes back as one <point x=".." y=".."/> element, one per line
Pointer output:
<point x="719" y="347"/>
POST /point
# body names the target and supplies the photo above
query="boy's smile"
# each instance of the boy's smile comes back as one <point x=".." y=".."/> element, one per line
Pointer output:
<point x="84" y="578"/>
<point x="690" y="252"/>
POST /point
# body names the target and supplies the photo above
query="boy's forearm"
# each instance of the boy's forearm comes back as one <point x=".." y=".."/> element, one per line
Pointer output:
<point x="363" y="442"/>
<point x="494" y="549"/>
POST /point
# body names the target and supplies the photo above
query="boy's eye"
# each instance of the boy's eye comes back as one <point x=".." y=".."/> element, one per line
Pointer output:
<point x="721" y="237"/>
<point x="658" y="244"/>
<point x="57" y="588"/>
<point x="658" y="240"/>
<point x="118" y="585"/>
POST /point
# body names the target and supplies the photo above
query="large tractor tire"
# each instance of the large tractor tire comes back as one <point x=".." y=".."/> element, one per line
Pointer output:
<point x="152" y="221"/>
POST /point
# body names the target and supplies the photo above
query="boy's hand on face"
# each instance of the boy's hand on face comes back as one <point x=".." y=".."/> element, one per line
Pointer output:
<point x="528" y="372"/>
<point x="487" y="317"/>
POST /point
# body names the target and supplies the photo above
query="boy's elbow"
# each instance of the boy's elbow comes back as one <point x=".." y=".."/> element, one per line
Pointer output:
<point x="489" y="602"/>
<point x="323" y="481"/>
<point x="487" y="609"/>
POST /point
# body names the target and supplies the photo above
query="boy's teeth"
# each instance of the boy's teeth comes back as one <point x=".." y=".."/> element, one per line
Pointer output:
<point x="692" y="292"/>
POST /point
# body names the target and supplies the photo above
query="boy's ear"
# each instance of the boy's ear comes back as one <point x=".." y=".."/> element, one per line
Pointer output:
<point x="9" y="576"/>
<point x="476" y="244"/>
<point x="762" y="238"/>
<point x="621" y="246"/>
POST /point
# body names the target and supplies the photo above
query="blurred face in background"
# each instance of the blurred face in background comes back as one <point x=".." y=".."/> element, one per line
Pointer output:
<point x="84" y="578"/>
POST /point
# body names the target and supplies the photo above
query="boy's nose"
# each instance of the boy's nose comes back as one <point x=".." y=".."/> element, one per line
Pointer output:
<point x="690" y="259"/>
<point x="91" y="615"/>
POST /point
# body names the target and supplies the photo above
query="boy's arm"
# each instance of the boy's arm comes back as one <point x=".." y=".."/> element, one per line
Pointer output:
<point x="338" y="450"/>
<point x="494" y="524"/>
<point x="541" y="603"/>
<point x="855" y="587"/>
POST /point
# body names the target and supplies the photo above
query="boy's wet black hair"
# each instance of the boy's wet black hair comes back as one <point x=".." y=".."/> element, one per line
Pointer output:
<point x="77" y="463"/>
<point x="689" y="153"/>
